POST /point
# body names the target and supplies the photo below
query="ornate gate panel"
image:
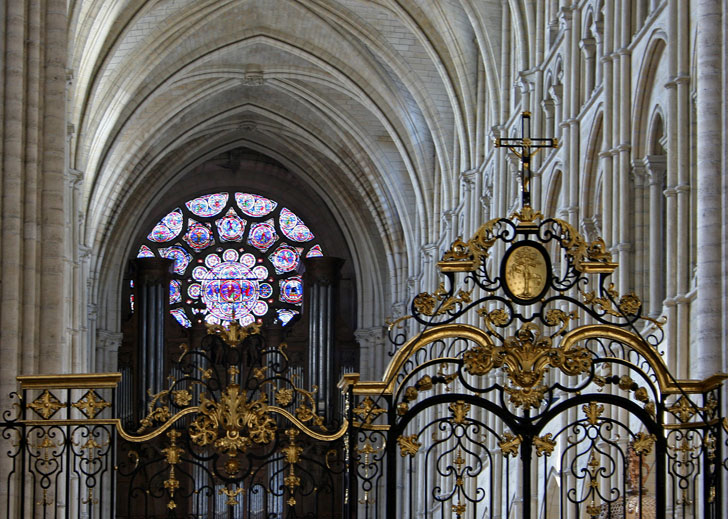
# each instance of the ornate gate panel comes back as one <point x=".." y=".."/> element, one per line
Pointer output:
<point x="558" y="405"/>
<point x="233" y="436"/>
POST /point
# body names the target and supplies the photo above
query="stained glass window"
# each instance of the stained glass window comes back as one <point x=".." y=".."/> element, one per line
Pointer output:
<point x="168" y="228"/>
<point x="236" y="257"/>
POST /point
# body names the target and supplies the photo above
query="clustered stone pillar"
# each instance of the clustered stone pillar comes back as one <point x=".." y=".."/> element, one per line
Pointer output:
<point x="151" y="289"/>
<point x="321" y="282"/>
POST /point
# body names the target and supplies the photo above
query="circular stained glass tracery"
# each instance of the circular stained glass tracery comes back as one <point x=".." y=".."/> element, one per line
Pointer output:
<point x="236" y="257"/>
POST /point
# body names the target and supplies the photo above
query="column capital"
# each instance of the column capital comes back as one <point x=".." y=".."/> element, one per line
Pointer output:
<point x="429" y="250"/>
<point x="108" y="341"/>
<point x="656" y="166"/>
<point x="469" y="177"/>
<point x="588" y="47"/>
<point x="323" y="270"/>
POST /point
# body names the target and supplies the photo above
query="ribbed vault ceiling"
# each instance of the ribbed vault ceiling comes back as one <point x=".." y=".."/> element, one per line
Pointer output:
<point x="373" y="104"/>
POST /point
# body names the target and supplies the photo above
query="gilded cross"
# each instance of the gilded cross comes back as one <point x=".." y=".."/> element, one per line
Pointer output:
<point x="526" y="147"/>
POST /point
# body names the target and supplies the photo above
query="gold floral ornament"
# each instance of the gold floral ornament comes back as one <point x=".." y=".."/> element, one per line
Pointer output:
<point x="459" y="411"/>
<point x="481" y="242"/>
<point x="181" y="397"/>
<point x="627" y="305"/>
<point x="408" y="445"/>
<point x="593" y="412"/>
<point x="544" y="445"/>
<point x="231" y="494"/>
<point x="232" y="424"/>
<point x="46" y="405"/>
<point x="509" y="444"/>
<point x="527" y="215"/>
<point x="589" y="258"/>
<point x="458" y="258"/>
<point x="683" y="409"/>
<point x="643" y="443"/>
<point x="91" y="404"/>
<point x="172" y="455"/>
<point x="292" y="453"/>
<point x="439" y="303"/>
<point x="367" y="411"/>
<point x="525" y="358"/>
<point x="284" y="396"/>
<point x="233" y="334"/>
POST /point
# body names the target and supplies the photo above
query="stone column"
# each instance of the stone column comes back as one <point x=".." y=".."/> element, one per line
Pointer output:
<point x="372" y="352"/>
<point x="588" y="49"/>
<point x="321" y="282"/>
<point x="655" y="166"/>
<point x="710" y="108"/>
<point x="107" y="350"/>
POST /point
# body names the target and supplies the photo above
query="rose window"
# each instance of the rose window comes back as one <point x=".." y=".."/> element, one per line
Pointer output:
<point x="236" y="258"/>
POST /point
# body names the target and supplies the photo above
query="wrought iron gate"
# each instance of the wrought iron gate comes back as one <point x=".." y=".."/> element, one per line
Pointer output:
<point x="557" y="404"/>
<point x="233" y="436"/>
<point x="528" y="388"/>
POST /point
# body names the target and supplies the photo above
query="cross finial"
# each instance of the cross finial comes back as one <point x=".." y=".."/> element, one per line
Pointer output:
<point x="526" y="147"/>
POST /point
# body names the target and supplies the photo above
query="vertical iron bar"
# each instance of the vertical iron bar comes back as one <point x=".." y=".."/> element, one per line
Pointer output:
<point x="526" y="467"/>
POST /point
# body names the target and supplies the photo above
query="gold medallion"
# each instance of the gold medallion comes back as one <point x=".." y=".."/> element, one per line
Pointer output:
<point x="526" y="272"/>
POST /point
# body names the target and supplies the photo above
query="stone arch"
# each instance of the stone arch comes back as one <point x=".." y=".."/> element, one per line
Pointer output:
<point x="591" y="180"/>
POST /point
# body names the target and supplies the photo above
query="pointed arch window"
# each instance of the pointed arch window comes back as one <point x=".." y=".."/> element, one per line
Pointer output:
<point x="237" y="257"/>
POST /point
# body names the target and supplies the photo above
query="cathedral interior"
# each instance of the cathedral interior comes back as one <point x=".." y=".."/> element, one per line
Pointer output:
<point x="314" y="175"/>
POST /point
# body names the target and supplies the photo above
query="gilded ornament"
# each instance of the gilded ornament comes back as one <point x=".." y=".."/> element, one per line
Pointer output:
<point x="408" y="445"/>
<point x="292" y="451"/>
<point x="626" y="383"/>
<point x="368" y="411"/>
<point x="91" y="404"/>
<point x="424" y="383"/>
<point x="459" y="509"/>
<point x="483" y="239"/>
<point x="284" y="396"/>
<point x="593" y="510"/>
<point x="526" y="357"/>
<point x="459" y="411"/>
<point x="509" y="444"/>
<point x="458" y="258"/>
<point x="527" y="215"/>
<point x="224" y="424"/>
<point x="439" y="303"/>
<point x="526" y="272"/>
<point x="630" y="304"/>
<point x="544" y="445"/>
<point x="233" y="334"/>
<point x="683" y="409"/>
<point x="46" y="405"/>
<point x="410" y="393"/>
<point x="232" y="466"/>
<point x="650" y="409"/>
<point x="304" y="413"/>
<point x="181" y="397"/>
<point x="231" y="494"/>
<point x="593" y="411"/>
<point x="643" y="443"/>
<point x="424" y="303"/>
<point x="557" y="317"/>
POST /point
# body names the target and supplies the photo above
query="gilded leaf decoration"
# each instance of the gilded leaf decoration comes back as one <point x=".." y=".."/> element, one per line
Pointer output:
<point x="91" y="404"/>
<point x="46" y="405"/>
<point x="544" y="445"/>
<point x="593" y="412"/>
<point x="459" y="411"/>
<point x="509" y="444"/>
<point x="408" y="445"/>
<point x="526" y="356"/>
